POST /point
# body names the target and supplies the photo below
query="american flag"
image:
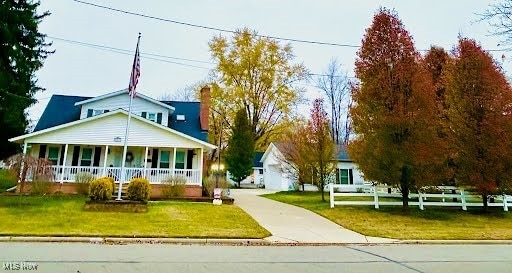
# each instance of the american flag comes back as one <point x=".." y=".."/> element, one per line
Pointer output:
<point x="134" y="78"/>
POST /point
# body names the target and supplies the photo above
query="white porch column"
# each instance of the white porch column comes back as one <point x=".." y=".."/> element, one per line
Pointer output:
<point x="22" y="167"/>
<point x="105" y="161"/>
<point x="174" y="162"/>
<point x="64" y="163"/>
<point x="146" y="162"/>
<point x="200" y="166"/>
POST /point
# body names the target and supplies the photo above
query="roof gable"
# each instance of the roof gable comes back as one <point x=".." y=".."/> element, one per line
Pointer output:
<point x="121" y="92"/>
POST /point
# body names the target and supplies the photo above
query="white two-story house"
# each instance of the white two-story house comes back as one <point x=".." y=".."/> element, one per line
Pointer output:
<point x="86" y="134"/>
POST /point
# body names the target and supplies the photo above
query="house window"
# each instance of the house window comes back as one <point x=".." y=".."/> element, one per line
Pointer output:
<point x="180" y="160"/>
<point x="152" y="116"/>
<point x="261" y="171"/>
<point x="53" y="155"/>
<point x="344" y="177"/>
<point x="97" y="112"/>
<point x="164" y="159"/>
<point x="86" y="159"/>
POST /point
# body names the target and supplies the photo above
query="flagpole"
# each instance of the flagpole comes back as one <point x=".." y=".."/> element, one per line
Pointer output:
<point x="123" y="163"/>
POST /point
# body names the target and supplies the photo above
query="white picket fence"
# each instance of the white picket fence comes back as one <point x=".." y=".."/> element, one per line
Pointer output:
<point x="463" y="200"/>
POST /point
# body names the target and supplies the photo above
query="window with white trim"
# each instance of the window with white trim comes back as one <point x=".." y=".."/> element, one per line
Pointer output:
<point x="53" y="155"/>
<point x="180" y="160"/>
<point x="97" y="112"/>
<point x="346" y="177"/>
<point x="152" y="116"/>
<point x="164" y="159"/>
<point x="86" y="158"/>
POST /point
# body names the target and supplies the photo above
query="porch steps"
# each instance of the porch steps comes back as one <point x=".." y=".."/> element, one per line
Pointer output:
<point x="124" y="190"/>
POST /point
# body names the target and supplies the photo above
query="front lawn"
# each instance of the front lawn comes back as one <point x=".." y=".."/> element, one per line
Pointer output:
<point x="64" y="216"/>
<point x="7" y="180"/>
<point x="442" y="223"/>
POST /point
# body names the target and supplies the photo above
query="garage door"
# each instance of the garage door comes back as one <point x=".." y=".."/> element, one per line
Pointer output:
<point x="273" y="178"/>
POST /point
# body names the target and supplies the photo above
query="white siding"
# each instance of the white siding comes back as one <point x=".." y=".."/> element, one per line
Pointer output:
<point x="102" y="131"/>
<point x="122" y="101"/>
<point x="356" y="173"/>
<point x="254" y="178"/>
<point x="273" y="177"/>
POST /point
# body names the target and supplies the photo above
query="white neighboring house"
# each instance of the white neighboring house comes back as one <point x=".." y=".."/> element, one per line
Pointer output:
<point x="86" y="134"/>
<point x="256" y="178"/>
<point x="273" y="175"/>
<point x="347" y="172"/>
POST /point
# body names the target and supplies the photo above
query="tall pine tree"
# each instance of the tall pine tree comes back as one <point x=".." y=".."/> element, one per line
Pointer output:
<point x="22" y="52"/>
<point x="240" y="152"/>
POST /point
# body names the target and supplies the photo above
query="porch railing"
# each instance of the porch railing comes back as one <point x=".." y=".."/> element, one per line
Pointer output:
<point x="154" y="175"/>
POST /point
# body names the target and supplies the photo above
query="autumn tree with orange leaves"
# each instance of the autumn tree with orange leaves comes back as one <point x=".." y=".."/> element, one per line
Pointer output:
<point x="479" y="112"/>
<point x="436" y="61"/>
<point x="393" y="115"/>
<point x="310" y="150"/>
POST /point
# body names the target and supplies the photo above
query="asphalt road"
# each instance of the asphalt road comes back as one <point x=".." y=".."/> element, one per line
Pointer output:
<point x="81" y="257"/>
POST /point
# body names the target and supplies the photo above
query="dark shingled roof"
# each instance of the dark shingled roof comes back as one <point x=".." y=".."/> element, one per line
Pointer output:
<point x="61" y="109"/>
<point x="191" y="125"/>
<point x="342" y="154"/>
<point x="341" y="151"/>
<point x="257" y="158"/>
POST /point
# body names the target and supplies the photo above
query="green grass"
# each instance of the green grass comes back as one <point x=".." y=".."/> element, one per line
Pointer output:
<point x="445" y="223"/>
<point x="64" y="216"/>
<point x="7" y="180"/>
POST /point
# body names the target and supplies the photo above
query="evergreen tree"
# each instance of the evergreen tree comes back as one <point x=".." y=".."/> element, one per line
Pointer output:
<point x="22" y="52"/>
<point x="239" y="157"/>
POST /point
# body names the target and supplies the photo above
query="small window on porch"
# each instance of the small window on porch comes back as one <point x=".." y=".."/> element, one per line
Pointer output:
<point x="164" y="159"/>
<point x="180" y="160"/>
<point x="86" y="157"/>
<point x="53" y="155"/>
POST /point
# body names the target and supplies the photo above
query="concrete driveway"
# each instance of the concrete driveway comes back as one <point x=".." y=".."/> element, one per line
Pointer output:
<point x="291" y="224"/>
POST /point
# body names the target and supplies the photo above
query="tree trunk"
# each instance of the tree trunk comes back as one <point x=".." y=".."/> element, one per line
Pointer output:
<point x="404" y="185"/>
<point x="405" y="196"/>
<point x="486" y="205"/>
<point x="323" y="192"/>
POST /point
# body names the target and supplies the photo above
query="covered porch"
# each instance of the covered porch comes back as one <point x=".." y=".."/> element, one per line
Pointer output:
<point x="153" y="163"/>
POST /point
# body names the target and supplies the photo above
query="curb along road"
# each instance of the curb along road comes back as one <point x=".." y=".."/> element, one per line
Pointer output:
<point x="244" y="242"/>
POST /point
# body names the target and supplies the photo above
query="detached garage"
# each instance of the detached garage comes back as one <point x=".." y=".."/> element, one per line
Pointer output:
<point x="273" y="177"/>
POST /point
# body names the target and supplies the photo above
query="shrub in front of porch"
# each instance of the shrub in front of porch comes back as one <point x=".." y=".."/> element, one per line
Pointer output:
<point x="139" y="189"/>
<point x="101" y="189"/>
<point x="174" y="186"/>
<point x="83" y="179"/>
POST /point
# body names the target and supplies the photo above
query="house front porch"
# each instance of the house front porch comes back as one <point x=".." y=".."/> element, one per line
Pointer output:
<point x="156" y="164"/>
<point x="154" y="175"/>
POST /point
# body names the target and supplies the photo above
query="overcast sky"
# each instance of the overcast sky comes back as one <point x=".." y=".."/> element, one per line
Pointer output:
<point x="86" y="71"/>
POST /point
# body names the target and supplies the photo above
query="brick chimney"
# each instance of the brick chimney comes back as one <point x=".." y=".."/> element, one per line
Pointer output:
<point x="204" y="110"/>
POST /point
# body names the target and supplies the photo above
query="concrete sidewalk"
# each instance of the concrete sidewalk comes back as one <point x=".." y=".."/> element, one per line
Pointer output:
<point x="291" y="224"/>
